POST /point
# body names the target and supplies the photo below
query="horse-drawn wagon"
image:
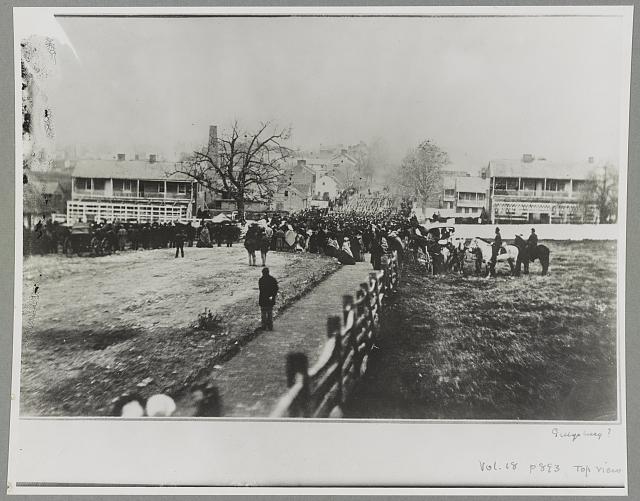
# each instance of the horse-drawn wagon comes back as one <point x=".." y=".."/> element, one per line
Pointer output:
<point x="436" y="248"/>
<point x="82" y="238"/>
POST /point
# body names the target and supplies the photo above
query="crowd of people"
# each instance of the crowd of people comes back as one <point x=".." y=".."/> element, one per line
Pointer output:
<point x="50" y="237"/>
<point x="345" y="235"/>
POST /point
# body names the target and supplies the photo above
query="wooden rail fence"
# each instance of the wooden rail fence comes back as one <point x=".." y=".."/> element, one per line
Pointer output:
<point x="321" y="391"/>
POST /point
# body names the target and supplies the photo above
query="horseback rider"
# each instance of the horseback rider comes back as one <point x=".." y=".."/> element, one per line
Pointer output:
<point x="532" y="242"/>
<point x="495" y="250"/>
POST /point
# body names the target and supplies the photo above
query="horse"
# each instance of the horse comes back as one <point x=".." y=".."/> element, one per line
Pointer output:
<point x="252" y="243"/>
<point x="483" y="251"/>
<point x="455" y="254"/>
<point x="530" y="254"/>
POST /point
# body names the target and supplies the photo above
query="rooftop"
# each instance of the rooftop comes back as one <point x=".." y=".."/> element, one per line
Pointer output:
<point x="129" y="169"/>
<point x="472" y="184"/>
<point x="541" y="169"/>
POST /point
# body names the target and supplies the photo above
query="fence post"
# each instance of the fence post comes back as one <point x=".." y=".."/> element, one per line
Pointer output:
<point x="347" y="332"/>
<point x="297" y="363"/>
<point x="370" y="291"/>
<point x="347" y="306"/>
<point x="334" y="329"/>
<point x="376" y="292"/>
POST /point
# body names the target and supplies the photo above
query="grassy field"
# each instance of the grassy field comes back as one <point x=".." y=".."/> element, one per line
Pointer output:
<point x="533" y="347"/>
<point x="94" y="328"/>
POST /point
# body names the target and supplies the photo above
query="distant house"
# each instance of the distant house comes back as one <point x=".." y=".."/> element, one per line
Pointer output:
<point x="291" y="198"/>
<point x="471" y="195"/>
<point x="327" y="188"/>
<point x="301" y="173"/>
<point x="40" y="201"/>
<point x="140" y="190"/>
<point x="538" y="191"/>
<point x="44" y="194"/>
<point x="328" y="161"/>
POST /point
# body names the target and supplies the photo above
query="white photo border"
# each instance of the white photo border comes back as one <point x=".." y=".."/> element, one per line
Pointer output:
<point x="34" y="469"/>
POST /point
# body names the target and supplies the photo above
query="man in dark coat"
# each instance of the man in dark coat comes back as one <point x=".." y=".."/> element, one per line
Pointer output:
<point x="532" y="242"/>
<point x="268" y="290"/>
<point x="523" y="255"/>
<point x="495" y="250"/>
<point x="179" y="238"/>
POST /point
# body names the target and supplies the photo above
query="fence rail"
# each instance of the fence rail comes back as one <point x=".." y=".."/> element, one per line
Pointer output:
<point x="321" y="391"/>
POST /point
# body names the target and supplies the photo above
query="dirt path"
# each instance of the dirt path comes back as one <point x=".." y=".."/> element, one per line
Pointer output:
<point x="96" y="327"/>
<point x="253" y="380"/>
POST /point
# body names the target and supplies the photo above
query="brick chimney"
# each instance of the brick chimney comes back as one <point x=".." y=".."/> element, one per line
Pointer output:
<point x="212" y="148"/>
<point x="153" y="158"/>
<point x="121" y="157"/>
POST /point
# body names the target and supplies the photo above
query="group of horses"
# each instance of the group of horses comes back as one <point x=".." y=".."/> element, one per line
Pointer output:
<point x="450" y="254"/>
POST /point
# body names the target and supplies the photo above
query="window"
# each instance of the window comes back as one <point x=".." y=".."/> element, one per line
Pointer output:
<point x="555" y="185"/>
<point x="481" y="196"/>
<point x="286" y="193"/>
<point x="466" y="210"/>
<point x="459" y="210"/>
<point x="500" y="183"/>
<point x="512" y="184"/>
<point x="160" y="187"/>
<point x="474" y="209"/>
<point x="98" y="184"/>
<point x="182" y="189"/>
<point x="83" y="183"/>
<point x="449" y="193"/>
<point x="127" y="185"/>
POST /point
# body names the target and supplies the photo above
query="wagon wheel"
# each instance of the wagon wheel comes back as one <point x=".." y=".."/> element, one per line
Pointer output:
<point x="67" y="248"/>
<point x="105" y="247"/>
<point x="429" y="265"/>
<point x="95" y="247"/>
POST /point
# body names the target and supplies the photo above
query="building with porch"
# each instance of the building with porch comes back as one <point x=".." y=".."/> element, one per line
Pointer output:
<point x="531" y="190"/>
<point x="466" y="196"/>
<point x="130" y="190"/>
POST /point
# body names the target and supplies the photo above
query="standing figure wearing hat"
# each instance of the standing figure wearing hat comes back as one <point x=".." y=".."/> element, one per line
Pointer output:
<point x="268" y="290"/>
<point x="532" y="242"/>
<point x="495" y="249"/>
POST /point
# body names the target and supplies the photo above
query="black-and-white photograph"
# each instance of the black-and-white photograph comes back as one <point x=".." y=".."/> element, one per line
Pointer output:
<point x="330" y="217"/>
<point x="358" y="217"/>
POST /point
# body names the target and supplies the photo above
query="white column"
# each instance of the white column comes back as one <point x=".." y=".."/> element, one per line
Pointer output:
<point x="165" y="190"/>
<point x="493" y="205"/>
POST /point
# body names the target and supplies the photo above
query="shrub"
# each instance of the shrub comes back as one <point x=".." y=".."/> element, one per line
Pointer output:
<point x="208" y="321"/>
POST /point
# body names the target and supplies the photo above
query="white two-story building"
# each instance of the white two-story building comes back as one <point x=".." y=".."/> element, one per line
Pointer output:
<point x="130" y="190"/>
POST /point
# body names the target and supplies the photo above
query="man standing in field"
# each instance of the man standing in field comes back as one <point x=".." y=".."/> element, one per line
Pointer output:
<point x="268" y="291"/>
<point x="180" y="237"/>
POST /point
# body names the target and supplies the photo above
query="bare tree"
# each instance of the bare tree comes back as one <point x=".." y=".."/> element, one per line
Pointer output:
<point x="241" y="165"/>
<point x="599" y="197"/>
<point x="420" y="176"/>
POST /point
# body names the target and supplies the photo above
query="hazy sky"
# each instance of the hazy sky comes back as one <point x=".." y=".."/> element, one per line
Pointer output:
<point x="481" y="88"/>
